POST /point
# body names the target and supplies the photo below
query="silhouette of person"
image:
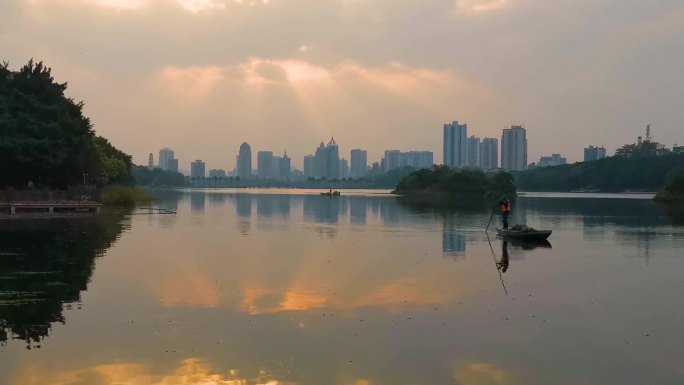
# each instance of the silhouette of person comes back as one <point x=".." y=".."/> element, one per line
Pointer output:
<point x="502" y="265"/>
<point x="505" y="207"/>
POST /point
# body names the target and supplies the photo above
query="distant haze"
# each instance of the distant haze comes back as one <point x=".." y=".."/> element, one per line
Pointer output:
<point x="202" y="76"/>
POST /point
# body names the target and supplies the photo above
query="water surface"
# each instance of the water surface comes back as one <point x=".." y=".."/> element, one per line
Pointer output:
<point x="280" y="287"/>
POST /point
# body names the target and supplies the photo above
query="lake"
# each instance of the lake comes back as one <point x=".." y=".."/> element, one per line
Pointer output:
<point x="289" y="287"/>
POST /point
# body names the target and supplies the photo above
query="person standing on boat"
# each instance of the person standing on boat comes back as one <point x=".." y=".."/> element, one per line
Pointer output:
<point x="505" y="207"/>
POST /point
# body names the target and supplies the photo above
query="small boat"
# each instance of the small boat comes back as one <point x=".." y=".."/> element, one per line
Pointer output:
<point x="527" y="234"/>
<point x="331" y="194"/>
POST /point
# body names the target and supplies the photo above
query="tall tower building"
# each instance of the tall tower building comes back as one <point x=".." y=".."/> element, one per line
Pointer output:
<point x="244" y="161"/>
<point x="165" y="154"/>
<point x="489" y="154"/>
<point x="455" y="144"/>
<point x="197" y="169"/>
<point x="359" y="163"/>
<point x="344" y="168"/>
<point x="265" y="164"/>
<point x="150" y="162"/>
<point x="172" y="165"/>
<point x="332" y="169"/>
<point x="392" y="159"/>
<point x="327" y="160"/>
<point x="309" y="166"/>
<point x="514" y="149"/>
<point x="473" y="152"/>
<point x="284" y="164"/>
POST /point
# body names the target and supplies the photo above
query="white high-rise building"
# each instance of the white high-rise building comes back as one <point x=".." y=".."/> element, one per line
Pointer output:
<point x="489" y="154"/>
<point x="594" y="153"/>
<point x="310" y="166"/>
<point x="392" y="159"/>
<point x="514" y="149"/>
<point x="416" y="159"/>
<point x="344" y="168"/>
<point x="165" y="154"/>
<point x="244" y="161"/>
<point x="265" y="164"/>
<point x="197" y="169"/>
<point x="455" y="144"/>
<point x="359" y="163"/>
<point x="473" y="152"/>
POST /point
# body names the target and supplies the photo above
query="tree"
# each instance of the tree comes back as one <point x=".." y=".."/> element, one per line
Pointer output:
<point x="44" y="136"/>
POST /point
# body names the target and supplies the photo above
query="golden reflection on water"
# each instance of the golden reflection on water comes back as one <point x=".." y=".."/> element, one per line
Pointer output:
<point x="191" y="371"/>
<point x="481" y="374"/>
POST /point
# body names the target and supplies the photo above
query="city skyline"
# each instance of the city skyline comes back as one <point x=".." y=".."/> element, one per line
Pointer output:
<point x="222" y="78"/>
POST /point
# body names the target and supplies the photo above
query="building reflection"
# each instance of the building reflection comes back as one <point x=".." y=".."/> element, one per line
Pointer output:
<point x="45" y="265"/>
<point x="320" y="209"/>
<point x="243" y="207"/>
<point x="197" y="201"/>
<point x="358" y="208"/>
<point x="453" y="240"/>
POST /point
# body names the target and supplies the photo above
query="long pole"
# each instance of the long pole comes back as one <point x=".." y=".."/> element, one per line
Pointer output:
<point x="497" y="267"/>
<point x="490" y="219"/>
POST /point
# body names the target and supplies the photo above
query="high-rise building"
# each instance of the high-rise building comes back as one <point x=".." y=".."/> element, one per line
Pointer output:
<point x="309" y="166"/>
<point x="244" y="161"/>
<point x="150" y="161"/>
<point x="165" y="154"/>
<point x="473" y="160"/>
<point x="455" y="144"/>
<point x="359" y="163"/>
<point x="327" y="160"/>
<point x="197" y="169"/>
<point x="265" y="164"/>
<point x="172" y="165"/>
<point x="392" y="160"/>
<point x="344" y="168"/>
<point x="416" y="159"/>
<point x="489" y="154"/>
<point x="284" y="165"/>
<point x="594" y="153"/>
<point x="514" y="148"/>
<point x="553" y="160"/>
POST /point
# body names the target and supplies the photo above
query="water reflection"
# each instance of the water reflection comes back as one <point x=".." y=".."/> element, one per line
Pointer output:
<point x="375" y="300"/>
<point x="46" y="264"/>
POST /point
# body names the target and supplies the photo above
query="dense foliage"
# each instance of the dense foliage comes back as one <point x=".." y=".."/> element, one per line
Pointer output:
<point x="143" y="176"/>
<point x="674" y="189"/>
<point x="44" y="137"/>
<point x="614" y="174"/>
<point x="448" y="180"/>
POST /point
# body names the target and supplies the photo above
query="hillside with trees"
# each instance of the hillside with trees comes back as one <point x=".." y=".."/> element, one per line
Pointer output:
<point x="443" y="182"/>
<point x="631" y="171"/>
<point x="45" y="138"/>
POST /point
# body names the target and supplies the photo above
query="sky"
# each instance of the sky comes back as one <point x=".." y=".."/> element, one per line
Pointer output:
<point x="202" y="76"/>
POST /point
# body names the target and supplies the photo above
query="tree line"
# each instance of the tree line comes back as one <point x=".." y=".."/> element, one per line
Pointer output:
<point x="629" y="171"/>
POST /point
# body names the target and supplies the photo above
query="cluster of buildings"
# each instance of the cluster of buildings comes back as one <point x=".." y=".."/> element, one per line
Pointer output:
<point x="461" y="151"/>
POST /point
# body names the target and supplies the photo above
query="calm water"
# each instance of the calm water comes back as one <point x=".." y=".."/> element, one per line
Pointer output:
<point x="278" y="288"/>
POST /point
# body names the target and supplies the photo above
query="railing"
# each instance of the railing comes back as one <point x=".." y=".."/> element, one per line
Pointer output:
<point x="73" y="194"/>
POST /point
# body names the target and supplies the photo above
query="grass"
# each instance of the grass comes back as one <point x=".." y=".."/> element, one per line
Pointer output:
<point x="125" y="196"/>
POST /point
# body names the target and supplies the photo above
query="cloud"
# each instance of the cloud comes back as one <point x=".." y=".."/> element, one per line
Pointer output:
<point x="476" y="7"/>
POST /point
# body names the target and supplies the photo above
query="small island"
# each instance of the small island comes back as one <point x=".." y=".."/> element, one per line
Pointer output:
<point x="673" y="193"/>
<point x="443" y="184"/>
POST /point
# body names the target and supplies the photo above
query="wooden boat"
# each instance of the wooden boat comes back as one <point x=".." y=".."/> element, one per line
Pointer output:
<point x="331" y="194"/>
<point x="528" y="235"/>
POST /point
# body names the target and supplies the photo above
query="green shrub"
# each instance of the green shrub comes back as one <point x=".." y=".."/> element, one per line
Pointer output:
<point x="125" y="196"/>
